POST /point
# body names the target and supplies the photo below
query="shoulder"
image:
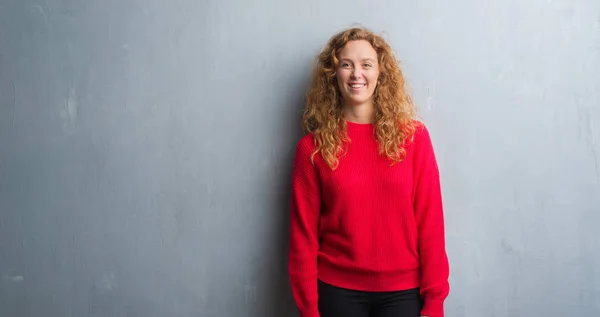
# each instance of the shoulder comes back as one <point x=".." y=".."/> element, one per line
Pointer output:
<point x="305" y="146"/>
<point x="420" y="133"/>
<point x="421" y="145"/>
<point x="306" y="143"/>
<point x="307" y="140"/>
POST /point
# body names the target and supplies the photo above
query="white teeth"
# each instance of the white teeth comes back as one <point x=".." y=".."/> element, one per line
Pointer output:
<point x="357" y="85"/>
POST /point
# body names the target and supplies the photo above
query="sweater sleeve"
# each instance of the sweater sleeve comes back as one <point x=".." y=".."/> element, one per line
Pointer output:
<point x="304" y="222"/>
<point x="430" y="225"/>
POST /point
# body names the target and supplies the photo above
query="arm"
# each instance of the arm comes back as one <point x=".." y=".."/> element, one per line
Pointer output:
<point x="430" y="225"/>
<point x="304" y="222"/>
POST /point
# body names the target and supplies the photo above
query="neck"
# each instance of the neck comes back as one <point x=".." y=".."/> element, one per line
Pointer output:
<point x="359" y="113"/>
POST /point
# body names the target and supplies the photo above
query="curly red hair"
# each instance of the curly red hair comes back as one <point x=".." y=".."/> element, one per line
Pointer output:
<point x="394" y="113"/>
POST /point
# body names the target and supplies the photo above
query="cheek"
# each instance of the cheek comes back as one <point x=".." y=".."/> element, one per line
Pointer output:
<point x="374" y="80"/>
<point x="341" y="79"/>
<point x="341" y="76"/>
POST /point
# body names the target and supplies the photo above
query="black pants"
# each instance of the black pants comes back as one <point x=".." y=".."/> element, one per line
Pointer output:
<point x="340" y="302"/>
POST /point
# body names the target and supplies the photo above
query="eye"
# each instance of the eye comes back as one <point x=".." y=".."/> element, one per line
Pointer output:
<point x="368" y="65"/>
<point x="345" y="64"/>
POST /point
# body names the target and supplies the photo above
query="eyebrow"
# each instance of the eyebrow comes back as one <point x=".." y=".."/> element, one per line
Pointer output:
<point x="363" y="60"/>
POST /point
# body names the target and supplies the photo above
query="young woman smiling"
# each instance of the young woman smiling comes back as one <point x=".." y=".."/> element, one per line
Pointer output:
<point x="367" y="224"/>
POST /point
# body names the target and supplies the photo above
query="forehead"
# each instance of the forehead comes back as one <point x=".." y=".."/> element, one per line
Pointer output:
<point x="358" y="50"/>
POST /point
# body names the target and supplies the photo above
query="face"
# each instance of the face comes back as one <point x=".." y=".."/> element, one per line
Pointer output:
<point x="357" y="73"/>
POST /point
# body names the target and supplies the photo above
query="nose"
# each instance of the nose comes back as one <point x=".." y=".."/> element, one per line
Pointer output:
<point x="355" y="73"/>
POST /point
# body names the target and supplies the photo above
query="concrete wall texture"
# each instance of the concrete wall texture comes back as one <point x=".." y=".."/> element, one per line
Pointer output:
<point x="146" y="147"/>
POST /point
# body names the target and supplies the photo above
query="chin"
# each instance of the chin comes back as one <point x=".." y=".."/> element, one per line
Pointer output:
<point x="357" y="101"/>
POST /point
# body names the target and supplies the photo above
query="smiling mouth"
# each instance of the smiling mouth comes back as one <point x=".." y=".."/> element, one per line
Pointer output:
<point x="357" y="85"/>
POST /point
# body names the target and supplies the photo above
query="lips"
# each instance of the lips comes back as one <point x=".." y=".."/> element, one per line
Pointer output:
<point x="356" y="85"/>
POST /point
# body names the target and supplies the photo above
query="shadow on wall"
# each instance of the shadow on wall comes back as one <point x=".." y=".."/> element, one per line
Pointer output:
<point x="277" y="299"/>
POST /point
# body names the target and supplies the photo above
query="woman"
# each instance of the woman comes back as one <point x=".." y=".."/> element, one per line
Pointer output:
<point x="367" y="225"/>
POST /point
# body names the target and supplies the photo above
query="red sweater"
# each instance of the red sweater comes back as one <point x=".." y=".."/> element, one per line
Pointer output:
<point x="368" y="225"/>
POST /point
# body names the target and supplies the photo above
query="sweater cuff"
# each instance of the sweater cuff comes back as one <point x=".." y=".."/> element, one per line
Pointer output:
<point x="310" y="313"/>
<point x="433" y="308"/>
